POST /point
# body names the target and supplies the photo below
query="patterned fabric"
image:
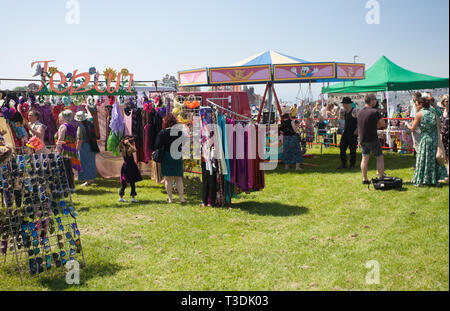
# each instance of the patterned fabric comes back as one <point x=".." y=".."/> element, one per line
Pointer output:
<point x="69" y="147"/>
<point x="292" y="152"/>
<point x="428" y="172"/>
<point x="444" y="132"/>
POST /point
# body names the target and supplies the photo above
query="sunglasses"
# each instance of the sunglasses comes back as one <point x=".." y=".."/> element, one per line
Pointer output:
<point x="33" y="252"/>
<point x="35" y="265"/>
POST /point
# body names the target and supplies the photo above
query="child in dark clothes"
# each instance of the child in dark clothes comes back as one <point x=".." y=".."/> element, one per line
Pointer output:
<point x="129" y="173"/>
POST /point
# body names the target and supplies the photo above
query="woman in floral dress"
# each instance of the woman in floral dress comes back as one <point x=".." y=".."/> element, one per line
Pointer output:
<point x="427" y="171"/>
<point x="445" y="129"/>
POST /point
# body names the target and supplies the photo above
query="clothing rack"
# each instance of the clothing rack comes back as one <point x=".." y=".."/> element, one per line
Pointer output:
<point x="209" y="100"/>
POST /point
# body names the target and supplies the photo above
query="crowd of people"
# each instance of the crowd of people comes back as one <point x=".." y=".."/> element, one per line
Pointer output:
<point x="78" y="147"/>
<point x="361" y="127"/>
<point x="76" y="141"/>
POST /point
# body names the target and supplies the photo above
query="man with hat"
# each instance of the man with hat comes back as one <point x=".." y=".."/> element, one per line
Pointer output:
<point x="350" y="134"/>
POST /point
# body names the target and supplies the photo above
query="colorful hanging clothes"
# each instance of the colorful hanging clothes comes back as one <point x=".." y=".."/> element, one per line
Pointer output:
<point x="117" y="127"/>
<point x="48" y="120"/>
<point x="137" y="129"/>
<point x="117" y="123"/>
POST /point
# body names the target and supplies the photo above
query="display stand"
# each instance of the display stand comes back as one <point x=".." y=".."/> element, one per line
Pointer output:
<point x="37" y="219"/>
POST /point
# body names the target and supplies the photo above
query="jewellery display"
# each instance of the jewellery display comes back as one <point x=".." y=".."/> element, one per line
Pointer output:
<point x="38" y="223"/>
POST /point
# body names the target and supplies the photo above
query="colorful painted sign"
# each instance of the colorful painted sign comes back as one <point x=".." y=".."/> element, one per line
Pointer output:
<point x="193" y="77"/>
<point x="350" y="71"/>
<point x="306" y="71"/>
<point x="240" y="75"/>
<point x="55" y="82"/>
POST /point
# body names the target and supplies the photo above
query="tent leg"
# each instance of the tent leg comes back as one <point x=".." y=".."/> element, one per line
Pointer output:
<point x="262" y="104"/>
<point x="270" y="102"/>
<point x="278" y="103"/>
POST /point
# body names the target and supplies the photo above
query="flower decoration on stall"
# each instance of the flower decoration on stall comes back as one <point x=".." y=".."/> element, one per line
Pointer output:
<point x="85" y="83"/>
<point x="124" y="72"/>
<point x="53" y="70"/>
<point x="110" y="73"/>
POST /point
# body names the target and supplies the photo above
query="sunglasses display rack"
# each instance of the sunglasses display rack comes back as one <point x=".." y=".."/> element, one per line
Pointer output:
<point x="38" y="225"/>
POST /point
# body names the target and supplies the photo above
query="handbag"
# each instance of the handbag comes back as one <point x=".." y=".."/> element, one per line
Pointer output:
<point x="387" y="183"/>
<point x="157" y="155"/>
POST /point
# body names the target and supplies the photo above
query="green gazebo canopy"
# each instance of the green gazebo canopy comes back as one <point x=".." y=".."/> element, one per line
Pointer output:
<point x="385" y="75"/>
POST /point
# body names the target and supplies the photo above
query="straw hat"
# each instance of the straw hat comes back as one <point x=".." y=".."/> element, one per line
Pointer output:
<point x="81" y="116"/>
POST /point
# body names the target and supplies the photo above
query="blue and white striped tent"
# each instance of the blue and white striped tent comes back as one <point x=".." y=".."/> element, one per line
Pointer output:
<point x="269" y="58"/>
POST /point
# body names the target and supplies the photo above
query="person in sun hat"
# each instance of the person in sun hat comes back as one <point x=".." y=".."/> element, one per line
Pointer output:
<point x="87" y="148"/>
<point x="350" y="134"/>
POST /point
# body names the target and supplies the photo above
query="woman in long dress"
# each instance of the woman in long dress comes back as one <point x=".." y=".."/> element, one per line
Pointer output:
<point x="171" y="168"/>
<point x="86" y="139"/>
<point x="445" y="129"/>
<point x="292" y="152"/>
<point x="427" y="172"/>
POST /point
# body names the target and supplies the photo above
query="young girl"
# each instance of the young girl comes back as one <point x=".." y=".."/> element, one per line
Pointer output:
<point x="129" y="173"/>
<point x="308" y="126"/>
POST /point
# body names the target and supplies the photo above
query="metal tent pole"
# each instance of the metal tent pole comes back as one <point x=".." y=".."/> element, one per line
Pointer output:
<point x="270" y="102"/>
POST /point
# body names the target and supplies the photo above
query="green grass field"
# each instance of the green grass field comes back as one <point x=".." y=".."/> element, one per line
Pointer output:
<point x="309" y="230"/>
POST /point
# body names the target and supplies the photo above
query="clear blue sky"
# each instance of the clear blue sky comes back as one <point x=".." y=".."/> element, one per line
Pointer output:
<point x="152" y="38"/>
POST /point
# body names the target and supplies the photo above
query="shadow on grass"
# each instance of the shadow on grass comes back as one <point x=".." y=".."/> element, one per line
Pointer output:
<point x="128" y="204"/>
<point x="327" y="164"/>
<point x="115" y="183"/>
<point x="87" y="273"/>
<point x="58" y="281"/>
<point x="270" y="208"/>
<point x="91" y="191"/>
